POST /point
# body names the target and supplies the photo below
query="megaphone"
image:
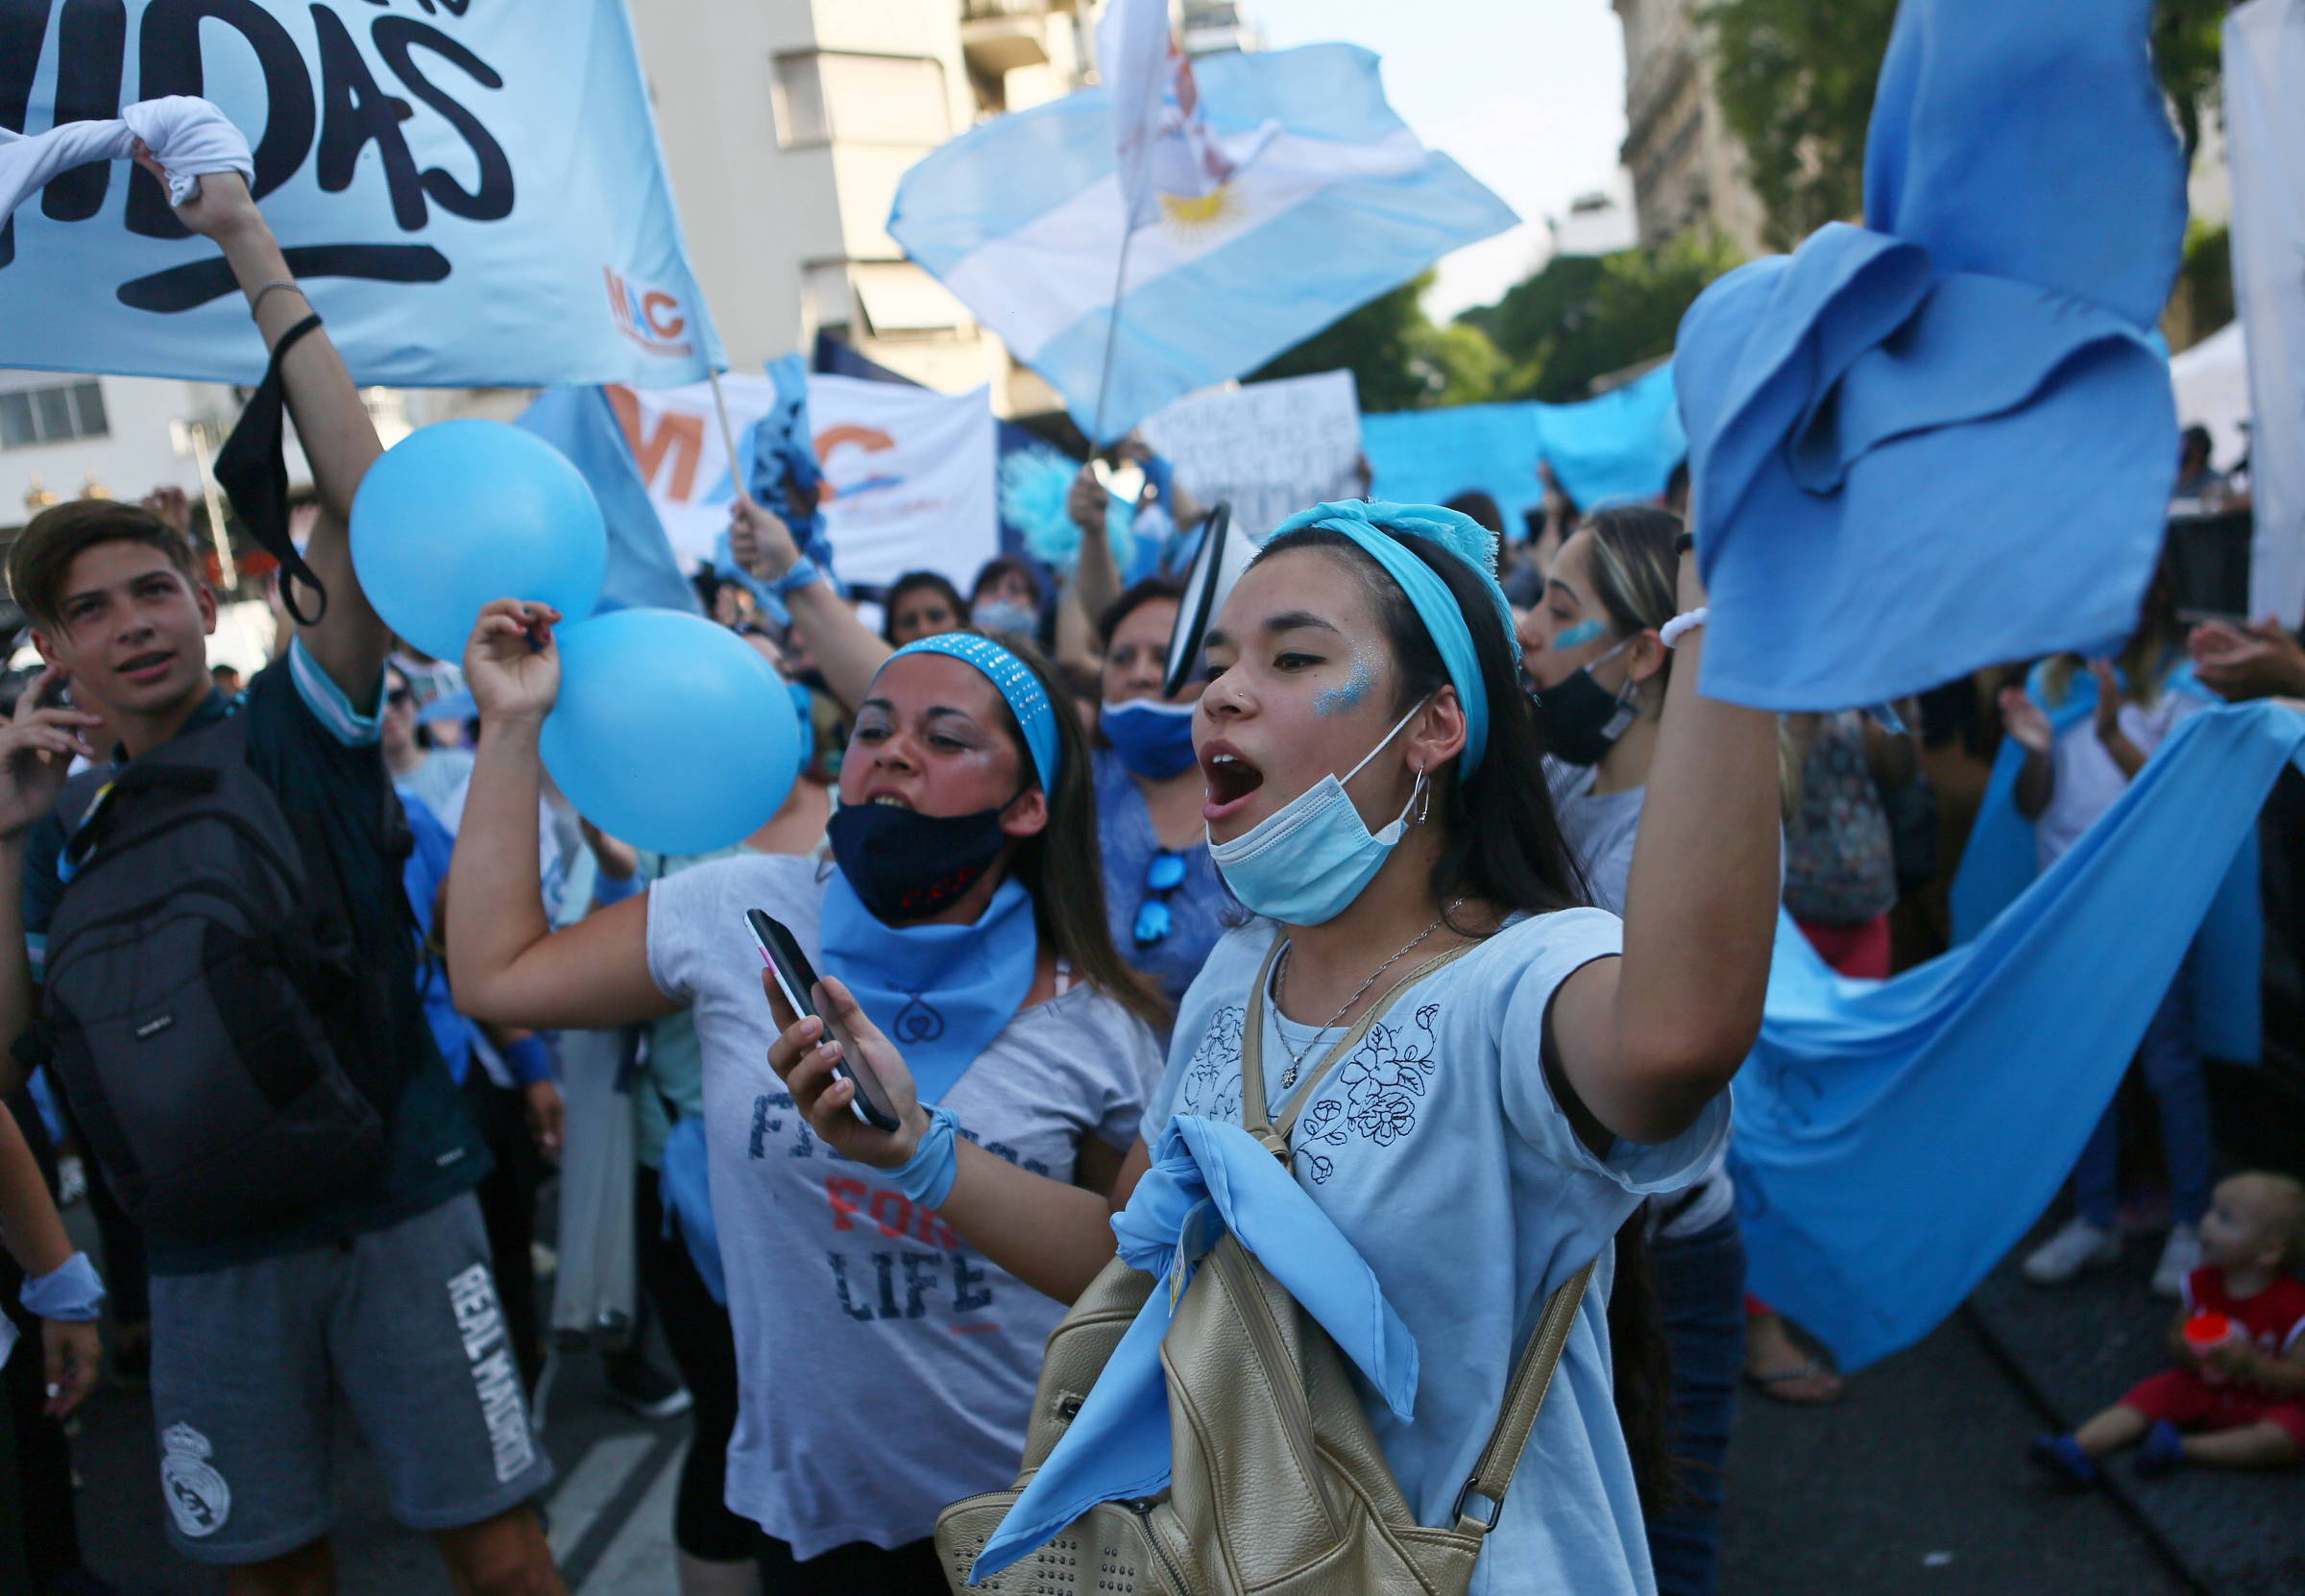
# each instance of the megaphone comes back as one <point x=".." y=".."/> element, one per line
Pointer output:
<point x="1225" y="552"/>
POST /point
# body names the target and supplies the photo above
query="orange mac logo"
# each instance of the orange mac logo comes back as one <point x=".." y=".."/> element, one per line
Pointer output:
<point x="648" y="317"/>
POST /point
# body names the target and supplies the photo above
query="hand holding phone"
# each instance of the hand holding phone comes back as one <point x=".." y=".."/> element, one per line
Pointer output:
<point x="796" y="980"/>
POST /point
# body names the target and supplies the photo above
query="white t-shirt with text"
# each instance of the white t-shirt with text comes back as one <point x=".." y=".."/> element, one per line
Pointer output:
<point x="884" y="1368"/>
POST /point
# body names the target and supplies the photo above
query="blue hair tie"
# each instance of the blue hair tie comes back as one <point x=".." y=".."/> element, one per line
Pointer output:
<point x="1028" y="700"/>
<point x="1370" y="527"/>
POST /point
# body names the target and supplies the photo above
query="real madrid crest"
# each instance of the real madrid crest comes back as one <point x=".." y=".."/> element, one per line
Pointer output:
<point x="197" y="1495"/>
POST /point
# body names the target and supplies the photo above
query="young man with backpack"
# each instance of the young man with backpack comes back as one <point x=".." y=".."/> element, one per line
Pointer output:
<point x="216" y="961"/>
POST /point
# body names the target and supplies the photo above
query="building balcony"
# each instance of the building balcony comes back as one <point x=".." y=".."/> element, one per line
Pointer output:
<point x="997" y="36"/>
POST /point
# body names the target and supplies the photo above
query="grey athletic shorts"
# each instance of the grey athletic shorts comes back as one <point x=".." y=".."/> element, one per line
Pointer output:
<point x="246" y="1359"/>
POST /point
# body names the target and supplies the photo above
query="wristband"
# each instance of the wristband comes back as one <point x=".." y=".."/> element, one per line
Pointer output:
<point x="610" y="889"/>
<point x="256" y="303"/>
<point x="71" y="1291"/>
<point x="800" y="573"/>
<point x="1679" y="626"/>
<point x="927" y="1176"/>
<point x="529" y="1059"/>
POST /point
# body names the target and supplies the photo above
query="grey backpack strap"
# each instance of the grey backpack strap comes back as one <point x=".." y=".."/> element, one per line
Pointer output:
<point x="1482" y="1501"/>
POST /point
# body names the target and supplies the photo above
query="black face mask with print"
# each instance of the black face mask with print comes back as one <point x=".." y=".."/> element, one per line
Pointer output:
<point x="905" y="865"/>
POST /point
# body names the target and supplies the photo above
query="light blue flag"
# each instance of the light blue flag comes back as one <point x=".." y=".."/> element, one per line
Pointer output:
<point x="1894" y="1139"/>
<point x="1945" y="440"/>
<point x="1620" y="446"/>
<point x="2002" y="857"/>
<point x="1431" y="456"/>
<point x="1022" y="219"/>
<point x="473" y="194"/>
<point x="641" y="570"/>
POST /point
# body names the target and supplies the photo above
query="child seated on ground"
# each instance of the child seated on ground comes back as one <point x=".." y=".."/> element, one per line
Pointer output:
<point x="2237" y="1397"/>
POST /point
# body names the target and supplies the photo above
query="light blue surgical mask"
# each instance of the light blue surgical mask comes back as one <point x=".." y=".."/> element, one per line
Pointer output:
<point x="1003" y="614"/>
<point x="1307" y="861"/>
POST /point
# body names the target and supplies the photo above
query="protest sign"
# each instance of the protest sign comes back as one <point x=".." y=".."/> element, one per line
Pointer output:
<point x="473" y="193"/>
<point x="1270" y="448"/>
<point x="908" y="471"/>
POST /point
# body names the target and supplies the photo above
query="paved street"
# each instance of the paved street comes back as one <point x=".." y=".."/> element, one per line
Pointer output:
<point x="1915" y="1486"/>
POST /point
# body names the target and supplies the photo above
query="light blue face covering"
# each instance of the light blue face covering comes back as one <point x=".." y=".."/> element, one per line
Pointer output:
<point x="1305" y="862"/>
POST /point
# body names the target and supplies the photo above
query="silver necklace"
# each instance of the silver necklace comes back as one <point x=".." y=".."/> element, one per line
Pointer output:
<point x="1280" y="978"/>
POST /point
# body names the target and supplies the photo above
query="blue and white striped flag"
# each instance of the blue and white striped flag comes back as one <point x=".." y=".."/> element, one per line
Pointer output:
<point x="1022" y="218"/>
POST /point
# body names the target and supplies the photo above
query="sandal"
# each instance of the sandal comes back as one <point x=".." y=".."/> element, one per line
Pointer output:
<point x="1815" y="1369"/>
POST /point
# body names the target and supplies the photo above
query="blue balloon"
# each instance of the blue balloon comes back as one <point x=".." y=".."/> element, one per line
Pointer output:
<point x="465" y="512"/>
<point x="671" y="733"/>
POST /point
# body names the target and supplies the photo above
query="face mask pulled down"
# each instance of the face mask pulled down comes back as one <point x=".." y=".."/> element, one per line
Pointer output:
<point x="1304" y="863"/>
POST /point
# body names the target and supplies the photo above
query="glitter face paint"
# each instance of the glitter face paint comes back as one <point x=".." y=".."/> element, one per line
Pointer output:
<point x="1579" y="635"/>
<point x="1347" y="696"/>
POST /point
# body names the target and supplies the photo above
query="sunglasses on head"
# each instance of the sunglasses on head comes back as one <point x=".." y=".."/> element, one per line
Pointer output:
<point x="1164" y="873"/>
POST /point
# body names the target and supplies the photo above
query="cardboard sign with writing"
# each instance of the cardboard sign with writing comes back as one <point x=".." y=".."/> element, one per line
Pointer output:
<point x="1271" y="448"/>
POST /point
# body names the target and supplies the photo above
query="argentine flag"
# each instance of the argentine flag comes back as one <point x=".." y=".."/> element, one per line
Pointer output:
<point x="1023" y="220"/>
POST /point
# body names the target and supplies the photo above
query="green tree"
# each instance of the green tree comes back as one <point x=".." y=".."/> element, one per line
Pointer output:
<point x="1398" y="358"/>
<point x="1584" y="317"/>
<point x="1796" y="80"/>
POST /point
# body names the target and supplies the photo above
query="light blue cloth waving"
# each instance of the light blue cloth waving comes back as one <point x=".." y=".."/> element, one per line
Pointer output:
<point x="1207" y="1177"/>
<point x="2000" y="860"/>
<point x="1894" y="1139"/>
<point x="1946" y="439"/>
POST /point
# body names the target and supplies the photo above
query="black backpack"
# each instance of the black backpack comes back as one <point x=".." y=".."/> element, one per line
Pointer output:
<point x="207" y="1006"/>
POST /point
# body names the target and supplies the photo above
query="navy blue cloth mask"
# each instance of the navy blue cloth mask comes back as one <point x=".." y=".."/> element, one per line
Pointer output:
<point x="1153" y="739"/>
<point x="940" y="993"/>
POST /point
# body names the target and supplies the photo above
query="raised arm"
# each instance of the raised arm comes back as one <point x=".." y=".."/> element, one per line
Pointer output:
<point x="37" y="746"/>
<point x="339" y="440"/>
<point x="1646" y="1040"/>
<point x="506" y="964"/>
<point x="846" y="651"/>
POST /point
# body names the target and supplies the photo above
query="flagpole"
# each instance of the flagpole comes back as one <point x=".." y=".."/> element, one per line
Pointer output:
<point x="1112" y="337"/>
<point x="728" y="437"/>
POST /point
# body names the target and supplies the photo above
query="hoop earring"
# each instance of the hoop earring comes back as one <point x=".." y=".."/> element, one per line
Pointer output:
<point x="1425" y="798"/>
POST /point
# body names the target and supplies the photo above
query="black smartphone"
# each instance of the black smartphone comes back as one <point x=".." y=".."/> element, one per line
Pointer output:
<point x="796" y="980"/>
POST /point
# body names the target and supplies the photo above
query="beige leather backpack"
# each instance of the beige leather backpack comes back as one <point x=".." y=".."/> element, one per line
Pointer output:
<point x="1278" y="1486"/>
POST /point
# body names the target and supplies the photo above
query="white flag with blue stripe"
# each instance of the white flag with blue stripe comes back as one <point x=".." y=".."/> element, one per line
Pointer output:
<point x="1023" y="220"/>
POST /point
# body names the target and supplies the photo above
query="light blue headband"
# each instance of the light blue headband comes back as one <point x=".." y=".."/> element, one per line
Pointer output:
<point x="1028" y="700"/>
<point x="1368" y="526"/>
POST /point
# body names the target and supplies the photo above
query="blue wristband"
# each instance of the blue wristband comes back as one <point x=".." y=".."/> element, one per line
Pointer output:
<point x="71" y="1291"/>
<point x="927" y="1176"/>
<point x="800" y="573"/>
<point x="610" y="889"/>
<point x="529" y="1059"/>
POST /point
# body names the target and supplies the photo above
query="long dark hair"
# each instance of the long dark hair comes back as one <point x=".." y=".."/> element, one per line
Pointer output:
<point x="1060" y="866"/>
<point x="1503" y="842"/>
<point x="1503" y="845"/>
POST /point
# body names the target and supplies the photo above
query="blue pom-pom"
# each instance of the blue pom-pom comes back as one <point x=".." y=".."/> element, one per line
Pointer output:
<point x="1034" y="485"/>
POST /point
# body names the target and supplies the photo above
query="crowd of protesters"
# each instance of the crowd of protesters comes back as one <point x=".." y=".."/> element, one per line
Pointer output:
<point x="1009" y="831"/>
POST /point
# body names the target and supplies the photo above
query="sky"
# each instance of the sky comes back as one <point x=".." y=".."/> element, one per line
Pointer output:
<point x="1528" y="95"/>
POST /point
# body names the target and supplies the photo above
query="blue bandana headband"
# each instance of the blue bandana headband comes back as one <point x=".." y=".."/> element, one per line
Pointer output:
<point x="1368" y="526"/>
<point x="1028" y="700"/>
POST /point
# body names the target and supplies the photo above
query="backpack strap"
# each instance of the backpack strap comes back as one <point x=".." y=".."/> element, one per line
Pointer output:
<point x="1482" y="1501"/>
